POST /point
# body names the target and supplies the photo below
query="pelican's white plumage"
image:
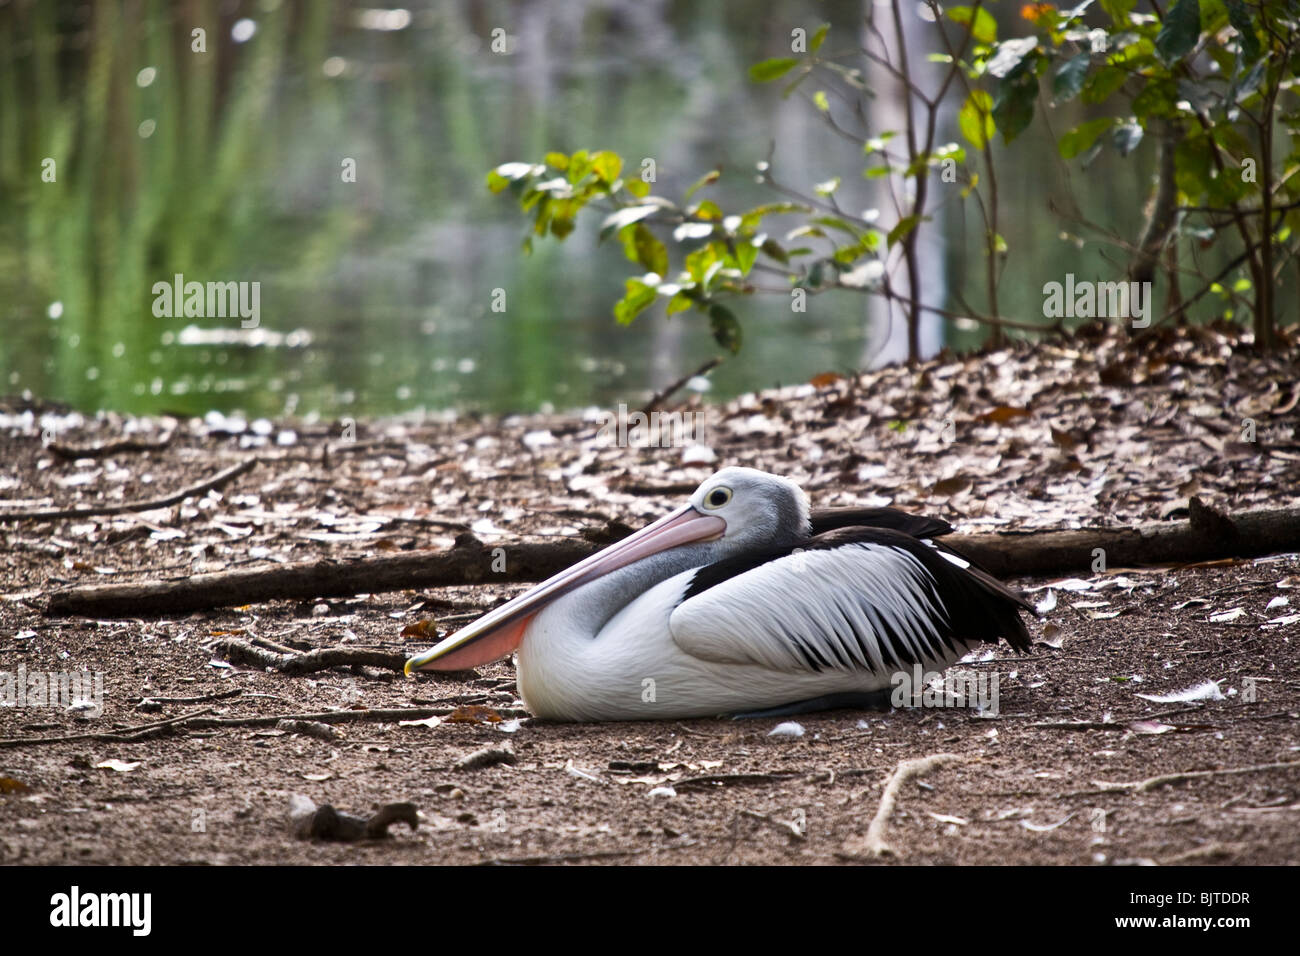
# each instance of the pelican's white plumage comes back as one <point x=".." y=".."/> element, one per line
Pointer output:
<point x="743" y="600"/>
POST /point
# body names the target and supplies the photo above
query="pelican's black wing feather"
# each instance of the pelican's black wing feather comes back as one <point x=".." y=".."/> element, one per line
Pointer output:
<point x="918" y="526"/>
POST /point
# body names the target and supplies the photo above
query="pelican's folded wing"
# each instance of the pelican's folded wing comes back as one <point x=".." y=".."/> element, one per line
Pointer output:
<point x="918" y="526"/>
<point x="852" y="599"/>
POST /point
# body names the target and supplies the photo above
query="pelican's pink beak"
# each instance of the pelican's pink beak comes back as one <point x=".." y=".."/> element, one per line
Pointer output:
<point x="497" y="634"/>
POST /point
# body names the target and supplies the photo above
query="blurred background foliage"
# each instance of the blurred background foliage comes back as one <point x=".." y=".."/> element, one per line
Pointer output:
<point x="376" y="295"/>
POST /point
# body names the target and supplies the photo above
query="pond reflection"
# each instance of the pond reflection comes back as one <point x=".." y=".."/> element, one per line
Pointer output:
<point x="334" y="154"/>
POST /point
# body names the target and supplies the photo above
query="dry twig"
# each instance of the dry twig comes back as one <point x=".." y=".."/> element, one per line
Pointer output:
<point x="873" y="844"/>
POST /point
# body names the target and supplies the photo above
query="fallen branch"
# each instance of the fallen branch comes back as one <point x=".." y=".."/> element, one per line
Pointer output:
<point x="661" y="396"/>
<point x="104" y="449"/>
<point x="127" y="735"/>
<point x="873" y="844"/>
<point x="197" y="722"/>
<point x="216" y="481"/>
<point x="222" y="695"/>
<point x="469" y="563"/>
<point x="1208" y="535"/>
<point x="727" y="779"/>
<point x="241" y="652"/>
<point x="1151" y="783"/>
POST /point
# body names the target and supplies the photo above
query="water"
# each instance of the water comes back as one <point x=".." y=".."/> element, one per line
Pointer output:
<point x="375" y="295"/>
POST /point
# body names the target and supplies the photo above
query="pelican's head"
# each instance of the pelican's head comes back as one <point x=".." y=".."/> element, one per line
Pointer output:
<point x="759" y="509"/>
<point x="737" y="508"/>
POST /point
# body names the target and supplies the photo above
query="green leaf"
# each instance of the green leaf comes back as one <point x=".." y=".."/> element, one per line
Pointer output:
<point x="712" y="176"/>
<point x="746" y="253"/>
<point x="679" y="303"/>
<point x="821" y="102"/>
<point x="639" y="297"/>
<point x="818" y="37"/>
<point x="755" y="215"/>
<point x="1075" y="12"/>
<point x="1240" y="19"/>
<point x="1158" y="98"/>
<point x="1014" y="109"/>
<point x="557" y="161"/>
<point x="1118" y="10"/>
<point x="726" y="330"/>
<point x="984" y="29"/>
<point x="607" y="165"/>
<point x="579" y="165"/>
<point x="1098" y="87"/>
<point x="976" y="118"/>
<point x="1010" y="54"/>
<point x="773" y="250"/>
<point x="772" y="69"/>
<point x="1181" y="30"/>
<point x="1083" y="136"/>
<point x="1126" y="137"/>
<point x="1243" y="88"/>
<point x="507" y="173"/>
<point x="706" y="210"/>
<point x="650" y="252"/>
<point x="701" y="260"/>
<point x="902" y="228"/>
<point x="637" y="187"/>
<point x="624" y="217"/>
<point x="1069" y="78"/>
<point x="948" y="151"/>
<point x="542" y="218"/>
<point x="830" y="222"/>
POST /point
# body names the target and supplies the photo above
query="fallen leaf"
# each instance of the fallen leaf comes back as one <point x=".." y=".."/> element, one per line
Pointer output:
<point x="1149" y="726"/>
<point x="787" y="729"/>
<point x="426" y="722"/>
<point x="1052" y="636"/>
<point x="1003" y="414"/>
<point x="945" y="818"/>
<point x="950" y="486"/>
<point x="1209" y="690"/>
<point x="1282" y="621"/>
<point x="473" y="714"/>
<point x="121" y="766"/>
<point x="1224" y="616"/>
<point x="426" y="628"/>
<point x="1045" y="827"/>
<point x="824" y="379"/>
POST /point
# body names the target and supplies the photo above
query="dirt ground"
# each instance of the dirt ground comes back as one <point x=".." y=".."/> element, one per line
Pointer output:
<point x="1033" y="448"/>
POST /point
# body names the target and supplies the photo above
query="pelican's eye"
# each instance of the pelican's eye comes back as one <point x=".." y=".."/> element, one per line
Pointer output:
<point x="717" y="497"/>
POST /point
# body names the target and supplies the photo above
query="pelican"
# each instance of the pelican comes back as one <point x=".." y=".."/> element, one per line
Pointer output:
<point x="742" y="601"/>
